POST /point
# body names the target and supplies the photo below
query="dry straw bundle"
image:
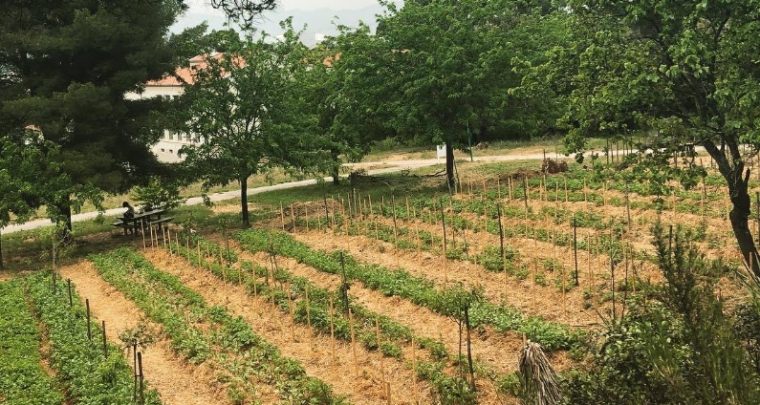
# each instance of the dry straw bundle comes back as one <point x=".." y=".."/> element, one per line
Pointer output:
<point x="540" y="385"/>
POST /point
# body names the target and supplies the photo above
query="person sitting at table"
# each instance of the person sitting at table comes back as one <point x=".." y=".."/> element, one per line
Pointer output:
<point x="128" y="216"/>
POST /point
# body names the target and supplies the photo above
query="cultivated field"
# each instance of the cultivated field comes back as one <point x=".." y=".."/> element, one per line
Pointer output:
<point x="384" y="291"/>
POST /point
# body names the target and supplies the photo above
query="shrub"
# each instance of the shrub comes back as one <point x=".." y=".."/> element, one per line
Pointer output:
<point x="676" y="348"/>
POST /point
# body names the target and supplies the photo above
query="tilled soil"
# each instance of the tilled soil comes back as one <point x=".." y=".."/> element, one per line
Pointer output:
<point x="361" y="381"/>
<point x="176" y="382"/>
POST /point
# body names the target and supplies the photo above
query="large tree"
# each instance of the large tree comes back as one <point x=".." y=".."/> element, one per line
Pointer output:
<point x="343" y="87"/>
<point x="65" y="68"/>
<point x="30" y="176"/>
<point x="687" y="70"/>
<point x="450" y="66"/>
<point x="246" y="106"/>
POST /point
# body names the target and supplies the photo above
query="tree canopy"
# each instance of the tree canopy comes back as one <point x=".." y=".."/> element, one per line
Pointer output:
<point x="65" y="69"/>
<point x="247" y="109"/>
<point x="685" y="70"/>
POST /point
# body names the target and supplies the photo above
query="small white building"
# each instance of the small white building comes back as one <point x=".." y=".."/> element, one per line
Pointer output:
<point x="167" y="149"/>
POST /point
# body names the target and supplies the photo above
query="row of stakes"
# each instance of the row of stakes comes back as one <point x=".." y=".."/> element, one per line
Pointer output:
<point x="156" y="239"/>
<point x="139" y="377"/>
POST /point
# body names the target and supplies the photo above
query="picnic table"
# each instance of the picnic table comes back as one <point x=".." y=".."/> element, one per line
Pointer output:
<point x="141" y="221"/>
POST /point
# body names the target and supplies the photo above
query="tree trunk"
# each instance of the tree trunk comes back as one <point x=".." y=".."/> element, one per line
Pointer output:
<point x="335" y="171"/>
<point x="2" y="263"/>
<point x="737" y="180"/>
<point x="244" y="202"/>
<point x="739" y="217"/>
<point x="335" y="175"/>
<point x="64" y="207"/>
<point x="450" y="176"/>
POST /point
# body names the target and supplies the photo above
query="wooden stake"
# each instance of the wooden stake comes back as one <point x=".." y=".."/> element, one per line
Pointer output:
<point x="142" y="233"/>
<point x="293" y="215"/>
<point x="353" y="338"/>
<point x="575" y="249"/>
<point x="308" y="308"/>
<point x="282" y="216"/>
<point x="89" y="326"/>
<point x="332" y="326"/>
<point x="105" y="341"/>
<point x="395" y="226"/>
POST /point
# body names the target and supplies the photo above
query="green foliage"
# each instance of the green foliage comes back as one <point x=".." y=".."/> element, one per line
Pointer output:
<point x="678" y="348"/>
<point x="88" y="375"/>
<point x="247" y="107"/>
<point x="22" y="379"/>
<point x="158" y="193"/>
<point x="67" y="77"/>
<point x="680" y="73"/>
<point x="421" y="291"/>
<point x="228" y="344"/>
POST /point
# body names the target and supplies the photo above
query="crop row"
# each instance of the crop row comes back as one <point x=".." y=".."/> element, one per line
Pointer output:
<point x="227" y="343"/>
<point x="89" y="376"/>
<point x="327" y="313"/>
<point x="22" y="378"/>
<point x="397" y="282"/>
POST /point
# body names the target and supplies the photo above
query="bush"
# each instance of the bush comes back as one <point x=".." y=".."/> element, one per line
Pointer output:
<point x="157" y="193"/>
<point x="677" y="348"/>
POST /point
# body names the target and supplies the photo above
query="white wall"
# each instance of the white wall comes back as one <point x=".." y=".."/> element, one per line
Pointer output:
<point x="167" y="149"/>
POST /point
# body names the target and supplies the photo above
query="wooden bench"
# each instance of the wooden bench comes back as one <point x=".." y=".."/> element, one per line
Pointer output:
<point x="160" y="222"/>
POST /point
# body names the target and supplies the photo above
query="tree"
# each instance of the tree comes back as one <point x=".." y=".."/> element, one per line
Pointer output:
<point x="65" y="68"/>
<point x="30" y="177"/>
<point x="450" y="66"/>
<point x="246" y="108"/>
<point x="342" y="94"/>
<point x="685" y="70"/>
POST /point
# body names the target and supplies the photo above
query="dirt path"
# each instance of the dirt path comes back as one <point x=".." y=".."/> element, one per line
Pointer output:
<point x="176" y="382"/>
<point x="361" y="383"/>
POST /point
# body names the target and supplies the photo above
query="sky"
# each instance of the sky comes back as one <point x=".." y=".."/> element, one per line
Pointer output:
<point x="317" y="15"/>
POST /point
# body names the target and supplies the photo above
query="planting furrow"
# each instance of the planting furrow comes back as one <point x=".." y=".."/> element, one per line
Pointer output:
<point x="90" y="372"/>
<point x="176" y="382"/>
<point x="372" y="324"/>
<point x="252" y="368"/>
<point x="546" y="302"/>
<point x="23" y="378"/>
<point x="499" y="352"/>
<point x="449" y="301"/>
<point x="350" y="370"/>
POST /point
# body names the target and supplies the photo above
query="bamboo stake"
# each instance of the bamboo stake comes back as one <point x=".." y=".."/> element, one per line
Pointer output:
<point x="306" y="208"/>
<point x="332" y="326"/>
<point x="353" y="339"/>
<point x="567" y="196"/>
<point x="414" y="371"/>
<point x="282" y="216"/>
<point x="293" y="215"/>
<point x="308" y="308"/>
